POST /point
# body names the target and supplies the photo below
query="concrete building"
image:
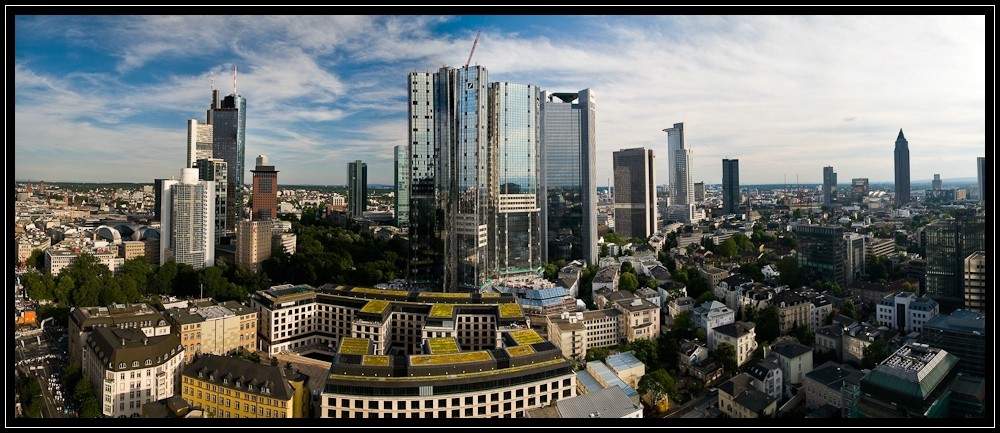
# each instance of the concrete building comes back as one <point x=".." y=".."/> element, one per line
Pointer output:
<point x="963" y="334"/>
<point x="905" y="311"/>
<point x="913" y="382"/>
<point x="216" y="170"/>
<point x="57" y="259"/>
<point x="709" y="316"/>
<point x="199" y="142"/>
<point x="575" y="334"/>
<point x="401" y="184"/>
<point x="611" y="402"/>
<point x="253" y="243"/>
<point x="265" y="190"/>
<point x="976" y="293"/>
<point x="738" y="398"/>
<point x="901" y="157"/>
<point x="187" y="228"/>
<point x="793" y="310"/>
<point x="207" y="326"/>
<point x="825" y="384"/>
<point x="83" y="320"/>
<point x="949" y="243"/>
<point x="740" y="335"/>
<point x="636" y="212"/>
<point x="794" y="359"/>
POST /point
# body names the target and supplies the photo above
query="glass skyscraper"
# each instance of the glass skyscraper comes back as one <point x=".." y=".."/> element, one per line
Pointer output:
<point x="635" y="192"/>
<point x="949" y="242"/>
<point x="679" y="166"/>
<point x="731" y="186"/>
<point x="357" y="188"/>
<point x="228" y="118"/>
<point x="829" y="185"/>
<point x="401" y="179"/>
<point x="215" y="170"/>
<point x="902" y="164"/>
<point x="568" y="176"/>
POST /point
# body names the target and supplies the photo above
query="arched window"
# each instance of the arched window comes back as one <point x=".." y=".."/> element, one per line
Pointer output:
<point x="121" y="365"/>
<point x="149" y="361"/>
<point x="135" y="363"/>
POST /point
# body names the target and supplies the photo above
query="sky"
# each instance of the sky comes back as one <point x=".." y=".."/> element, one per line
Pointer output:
<point x="106" y="98"/>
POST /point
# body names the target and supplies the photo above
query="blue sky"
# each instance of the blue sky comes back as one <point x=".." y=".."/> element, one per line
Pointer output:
<point x="107" y="98"/>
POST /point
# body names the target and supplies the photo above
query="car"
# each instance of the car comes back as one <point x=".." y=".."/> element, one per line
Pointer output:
<point x="713" y="390"/>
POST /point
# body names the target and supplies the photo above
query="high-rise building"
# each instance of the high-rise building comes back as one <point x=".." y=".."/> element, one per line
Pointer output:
<point x="981" y="171"/>
<point x="568" y="176"/>
<point x="859" y="190"/>
<point x="187" y="227"/>
<point x="158" y="199"/>
<point x="228" y="118"/>
<point x="215" y="170"/>
<point x="357" y="188"/>
<point x="253" y="243"/>
<point x="699" y="191"/>
<point x="265" y="190"/>
<point x="635" y="192"/>
<point x="902" y="164"/>
<point x="199" y="142"/>
<point x="679" y="166"/>
<point x="401" y="177"/>
<point x="936" y="183"/>
<point x="975" y="290"/>
<point x="514" y="137"/>
<point x="822" y="253"/>
<point x="829" y="185"/>
<point x="731" y="198"/>
<point x="949" y="242"/>
<point x="426" y="258"/>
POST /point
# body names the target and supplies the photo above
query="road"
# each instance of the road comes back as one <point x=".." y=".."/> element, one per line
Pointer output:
<point x="44" y="356"/>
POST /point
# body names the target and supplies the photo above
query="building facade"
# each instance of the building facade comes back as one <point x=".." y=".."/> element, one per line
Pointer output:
<point x="948" y="243"/>
<point x="568" y="176"/>
<point x="226" y="387"/>
<point x="679" y="166"/>
<point x="187" y="228"/>
<point x="829" y="185"/>
<point x="229" y="118"/>
<point x="401" y="183"/>
<point x="207" y="326"/>
<point x="731" y="198"/>
<point x="963" y="334"/>
<point x="901" y="160"/>
<point x="905" y="311"/>
<point x="83" y="320"/>
<point x="635" y="193"/>
<point x="822" y="253"/>
<point x="265" y="190"/>
<point x="199" y="142"/>
<point x="253" y="243"/>
<point x="975" y="291"/>
<point x="357" y="188"/>
<point x="215" y="170"/>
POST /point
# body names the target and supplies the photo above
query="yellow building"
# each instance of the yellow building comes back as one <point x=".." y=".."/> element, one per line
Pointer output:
<point x="208" y="326"/>
<point x="226" y="387"/>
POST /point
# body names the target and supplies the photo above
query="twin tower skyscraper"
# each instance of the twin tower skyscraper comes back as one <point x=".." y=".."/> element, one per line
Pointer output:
<point x="497" y="177"/>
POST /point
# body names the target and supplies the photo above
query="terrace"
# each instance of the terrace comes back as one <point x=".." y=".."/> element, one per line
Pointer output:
<point x="442" y="346"/>
<point x="354" y="346"/>
<point x="525" y="337"/>
<point x="450" y="358"/>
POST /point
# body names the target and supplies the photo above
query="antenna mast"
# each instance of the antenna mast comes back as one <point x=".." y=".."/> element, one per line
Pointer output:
<point x="473" y="49"/>
<point x="234" y="79"/>
<point x="213" y="80"/>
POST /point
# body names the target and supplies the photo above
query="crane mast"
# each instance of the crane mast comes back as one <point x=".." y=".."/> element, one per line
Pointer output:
<point x="473" y="49"/>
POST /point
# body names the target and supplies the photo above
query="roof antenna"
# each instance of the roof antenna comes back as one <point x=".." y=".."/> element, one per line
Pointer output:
<point x="213" y="80"/>
<point x="234" y="79"/>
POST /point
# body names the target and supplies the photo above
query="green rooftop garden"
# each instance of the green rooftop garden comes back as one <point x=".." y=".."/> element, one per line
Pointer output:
<point x="380" y="291"/>
<point x="354" y="346"/>
<point x="441" y="346"/>
<point x="450" y="358"/>
<point x="525" y="337"/>
<point x="375" y="360"/>
<point x="444" y="295"/>
<point x="520" y="351"/>
<point x="510" y="310"/>
<point x="442" y="310"/>
<point x="376" y="306"/>
<point x="470" y="375"/>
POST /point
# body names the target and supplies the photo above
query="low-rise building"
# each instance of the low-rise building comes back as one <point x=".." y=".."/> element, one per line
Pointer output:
<point x="83" y="320"/>
<point x="905" y="311"/>
<point x="227" y="387"/>
<point x="740" y="335"/>
<point x="207" y="326"/>
<point x="795" y="360"/>
<point x="825" y="384"/>
<point x="739" y="399"/>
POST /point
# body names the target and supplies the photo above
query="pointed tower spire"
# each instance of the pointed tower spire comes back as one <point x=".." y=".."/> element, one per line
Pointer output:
<point x="900" y="137"/>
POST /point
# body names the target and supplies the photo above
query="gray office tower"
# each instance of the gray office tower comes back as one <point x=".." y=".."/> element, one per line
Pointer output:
<point x="731" y="186"/>
<point x="981" y="170"/>
<point x="949" y="242"/>
<point x="401" y="181"/>
<point x="679" y="166"/>
<point x="635" y="192"/>
<point x="215" y="170"/>
<point x="475" y="216"/>
<point x="829" y="185"/>
<point x="357" y="188"/>
<point x="228" y="118"/>
<point x="902" y="164"/>
<point x="568" y="176"/>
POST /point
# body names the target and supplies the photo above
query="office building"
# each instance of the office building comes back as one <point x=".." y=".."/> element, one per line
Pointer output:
<point x="822" y="254"/>
<point x="859" y="190"/>
<point x="426" y="261"/>
<point x="905" y="311"/>
<point x="253" y="243"/>
<point x="187" y="228"/>
<point x="514" y="137"/>
<point x="357" y="188"/>
<point x="731" y="198"/>
<point x="199" y="142"/>
<point x="635" y="193"/>
<point x="568" y="176"/>
<point x="228" y="118"/>
<point x="829" y="185"/>
<point x="981" y="172"/>
<point x="227" y="387"/>
<point x="964" y="334"/>
<point x="265" y="190"/>
<point x="948" y="243"/>
<point x="975" y="291"/>
<point x="401" y="178"/>
<point x="158" y="198"/>
<point x="902" y="165"/>
<point x="208" y="326"/>
<point x="215" y="170"/>
<point x="679" y="166"/>
<point x="936" y="183"/>
<point x="130" y="368"/>
<point x="913" y="382"/>
<point x="699" y="191"/>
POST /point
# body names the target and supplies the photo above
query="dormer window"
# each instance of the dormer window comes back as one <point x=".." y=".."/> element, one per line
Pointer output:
<point x="121" y="365"/>
<point x="149" y="362"/>
<point x="135" y="363"/>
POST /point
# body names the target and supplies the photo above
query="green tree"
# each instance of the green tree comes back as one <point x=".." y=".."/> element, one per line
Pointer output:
<point x="727" y="248"/>
<point x="65" y="286"/>
<point x="644" y="350"/>
<point x="628" y="282"/>
<point x="36" y="260"/>
<point x="849" y="310"/>
<point x="597" y="354"/>
<point x="874" y="353"/>
<point x="682" y="325"/>
<point x="657" y="385"/>
<point x="726" y="354"/>
<point x="804" y="335"/>
<point x="38" y="285"/>
<point x="767" y="324"/>
<point x="627" y="268"/>
<point x="705" y="297"/>
<point x="790" y="273"/>
<point x="163" y="278"/>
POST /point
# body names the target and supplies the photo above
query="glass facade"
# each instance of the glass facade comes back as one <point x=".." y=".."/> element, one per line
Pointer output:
<point x="426" y="263"/>
<point x="357" y="188"/>
<point x="679" y="164"/>
<point x="635" y="193"/>
<point x="822" y="253"/>
<point x="401" y="178"/>
<point x="902" y="163"/>
<point x="829" y="185"/>
<point x="948" y="243"/>
<point x="568" y="179"/>
<point x="730" y="186"/>
<point x="214" y="169"/>
<point x="514" y="133"/>
<point x="229" y="144"/>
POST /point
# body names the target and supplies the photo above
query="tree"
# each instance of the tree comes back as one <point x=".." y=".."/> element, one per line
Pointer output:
<point x="768" y="324"/>
<point x="627" y="268"/>
<point x="597" y="354"/>
<point x="682" y="325"/>
<point x="645" y="351"/>
<point x="849" y="310"/>
<point x="804" y="335"/>
<point x="789" y="271"/>
<point x="36" y="260"/>
<point x="726" y="354"/>
<point x="752" y="270"/>
<point x="874" y="353"/>
<point x="657" y="385"/>
<point x="628" y="282"/>
<point x="163" y="278"/>
<point x="705" y="297"/>
<point x="38" y="285"/>
<point x="727" y="248"/>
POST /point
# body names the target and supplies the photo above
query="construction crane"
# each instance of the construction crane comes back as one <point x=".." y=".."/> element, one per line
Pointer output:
<point x="473" y="49"/>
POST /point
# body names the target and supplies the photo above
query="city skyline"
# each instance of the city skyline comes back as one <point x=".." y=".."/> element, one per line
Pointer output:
<point x="322" y="98"/>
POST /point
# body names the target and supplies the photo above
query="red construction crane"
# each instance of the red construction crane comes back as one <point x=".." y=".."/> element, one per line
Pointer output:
<point x="473" y="49"/>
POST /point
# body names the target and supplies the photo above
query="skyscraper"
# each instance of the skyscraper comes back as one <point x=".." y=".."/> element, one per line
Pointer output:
<point x="902" y="164"/>
<point x="228" y="119"/>
<point x="199" y="142"/>
<point x="949" y="242"/>
<point x="679" y="166"/>
<point x="568" y="176"/>
<point x="265" y="190"/>
<point x="514" y="145"/>
<point x="253" y="243"/>
<point x="187" y="227"/>
<point x="215" y="170"/>
<point x="635" y="192"/>
<point x="829" y="185"/>
<point x="357" y="188"/>
<point x="981" y="170"/>
<point x="823" y="253"/>
<point x="976" y="293"/>
<point x="426" y="258"/>
<point x="699" y="191"/>
<point x="859" y="190"/>
<point x="731" y="198"/>
<point x="401" y="177"/>
<point x="936" y="182"/>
